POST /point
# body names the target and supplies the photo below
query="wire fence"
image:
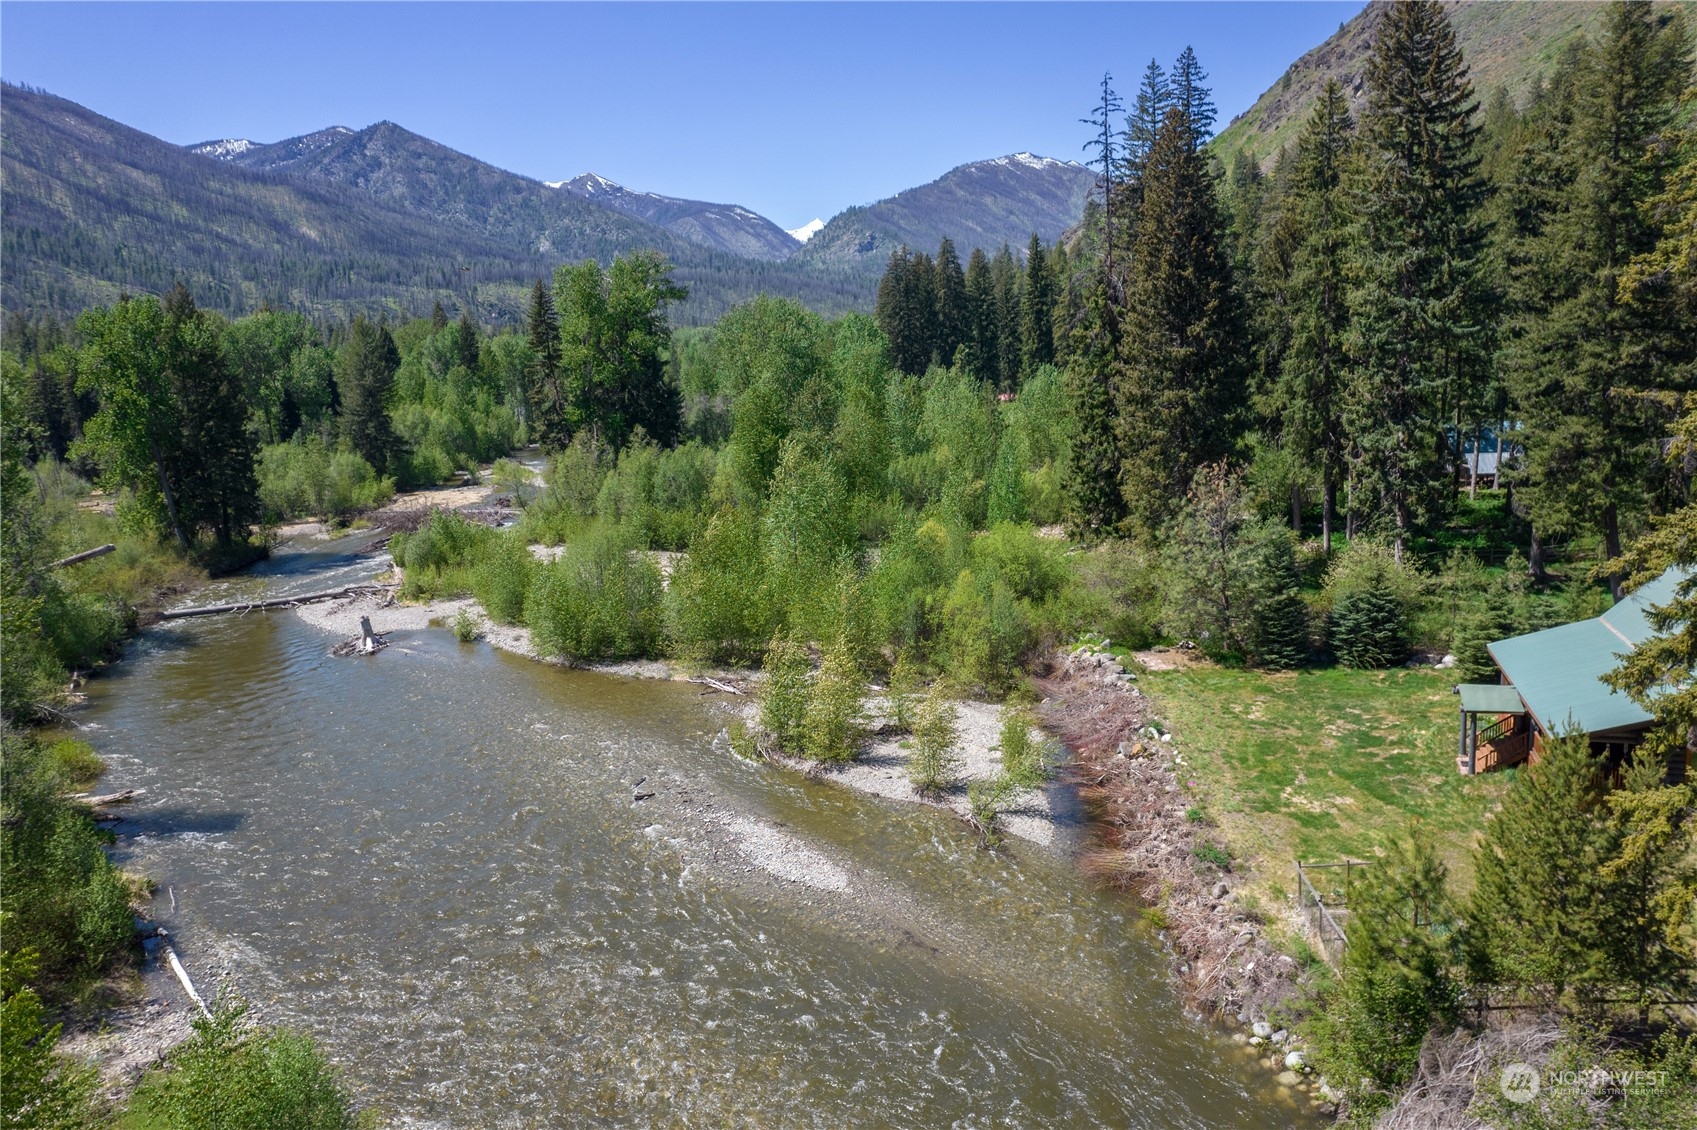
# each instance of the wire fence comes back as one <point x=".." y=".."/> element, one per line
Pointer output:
<point x="1322" y="899"/>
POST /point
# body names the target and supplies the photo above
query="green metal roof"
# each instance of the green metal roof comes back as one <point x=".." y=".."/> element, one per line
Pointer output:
<point x="1558" y="672"/>
<point x="1490" y="698"/>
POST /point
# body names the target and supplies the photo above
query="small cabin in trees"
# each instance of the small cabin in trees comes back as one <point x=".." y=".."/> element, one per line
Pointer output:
<point x="1552" y="682"/>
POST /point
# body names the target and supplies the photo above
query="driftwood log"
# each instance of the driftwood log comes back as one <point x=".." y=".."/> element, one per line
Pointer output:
<point x="274" y="602"/>
<point x="85" y="555"/>
<point x="105" y="799"/>
<point x="717" y="685"/>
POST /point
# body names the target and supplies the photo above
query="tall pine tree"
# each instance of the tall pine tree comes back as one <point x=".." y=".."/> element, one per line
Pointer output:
<point x="546" y="395"/>
<point x="1037" y="310"/>
<point x="365" y="375"/>
<point x="951" y="319"/>
<point x="1424" y="309"/>
<point x="1314" y="368"/>
<point x="1182" y="359"/>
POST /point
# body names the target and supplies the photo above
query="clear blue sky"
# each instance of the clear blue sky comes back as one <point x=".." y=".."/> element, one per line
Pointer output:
<point x="794" y="110"/>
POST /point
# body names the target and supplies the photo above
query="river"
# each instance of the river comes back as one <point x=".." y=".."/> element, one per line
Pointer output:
<point x="431" y="860"/>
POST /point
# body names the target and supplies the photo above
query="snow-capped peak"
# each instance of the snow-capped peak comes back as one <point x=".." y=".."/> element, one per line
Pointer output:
<point x="806" y="231"/>
<point x="225" y="150"/>
<point x="1029" y="160"/>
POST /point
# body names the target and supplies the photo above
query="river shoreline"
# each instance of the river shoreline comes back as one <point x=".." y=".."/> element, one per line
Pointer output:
<point x="1131" y="780"/>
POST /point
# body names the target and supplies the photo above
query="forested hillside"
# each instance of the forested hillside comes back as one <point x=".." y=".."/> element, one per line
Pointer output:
<point x="94" y="208"/>
<point x="1510" y="45"/>
<point x="380" y="221"/>
<point x="982" y="204"/>
<point x="726" y="227"/>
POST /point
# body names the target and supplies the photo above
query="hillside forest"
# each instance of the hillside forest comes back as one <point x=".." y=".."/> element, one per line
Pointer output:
<point x="1243" y="408"/>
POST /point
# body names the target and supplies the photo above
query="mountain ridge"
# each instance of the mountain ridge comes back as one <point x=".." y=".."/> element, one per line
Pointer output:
<point x="1508" y="45"/>
<point x="1041" y="194"/>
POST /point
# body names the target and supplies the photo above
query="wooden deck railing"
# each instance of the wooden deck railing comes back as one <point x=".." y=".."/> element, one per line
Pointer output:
<point x="1503" y="751"/>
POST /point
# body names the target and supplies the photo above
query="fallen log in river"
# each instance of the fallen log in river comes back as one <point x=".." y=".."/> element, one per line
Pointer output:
<point x="274" y="602"/>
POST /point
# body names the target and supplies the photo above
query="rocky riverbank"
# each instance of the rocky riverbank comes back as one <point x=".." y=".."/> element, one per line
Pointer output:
<point x="1144" y="837"/>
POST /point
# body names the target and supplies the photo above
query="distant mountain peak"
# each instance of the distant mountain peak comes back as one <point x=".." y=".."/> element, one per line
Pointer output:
<point x="805" y="231"/>
<point x="1029" y="160"/>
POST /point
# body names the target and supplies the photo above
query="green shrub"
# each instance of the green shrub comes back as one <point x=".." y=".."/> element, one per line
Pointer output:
<point x="933" y="762"/>
<point x="76" y="762"/>
<point x="717" y="612"/>
<point x="501" y="578"/>
<point x="439" y="558"/>
<point x="598" y="601"/>
<point x="986" y="632"/>
<point x="59" y="893"/>
<point x="984" y="802"/>
<point x="831" y="726"/>
<point x="303" y="478"/>
<point x="230" y="1073"/>
<point x="1209" y="852"/>
<point x="1022" y="758"/>
<point x="1034" y="569"/>
<point x="905" y="689"/>
<point x="783" y="694"/>
<point x="38" y="1087"/>
<point x="466" y="626"/>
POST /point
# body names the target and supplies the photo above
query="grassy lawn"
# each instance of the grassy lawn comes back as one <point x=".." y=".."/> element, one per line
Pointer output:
<point x="1320" y="765"/>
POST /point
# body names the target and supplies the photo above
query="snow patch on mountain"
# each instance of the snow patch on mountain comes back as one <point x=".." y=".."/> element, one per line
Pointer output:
<point x="226" y="150"/>
<point x="1030" y="161"/>
<point x="808" y="230"/>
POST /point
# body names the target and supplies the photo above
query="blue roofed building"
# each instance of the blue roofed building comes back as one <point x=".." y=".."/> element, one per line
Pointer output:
<point x="1552" y="683"/>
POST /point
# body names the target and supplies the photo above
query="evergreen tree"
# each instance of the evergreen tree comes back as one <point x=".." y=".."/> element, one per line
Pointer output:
<point x="438" y="318"/>
<point x="1280" y="636"/>
<point x="1182" y="365"/>
<point x="1148" y="110"/>
<point x="952" y="318"/>
<point x="1369" y="628"/>
<point x="1577" y="350"/>
<point x="984" y="352"/>
<point x="1108" y="157"/>
<point x="1313" y="370"/>
<point x="1541" y="904"/>
<point x="1399" y="975"/>
<point x="1037" y="310"/>
<point x="907" y="310"/>
<point x="546" y="394"/>
<point x="1004" y="273"/>
<point x="1424" y="309"/>
<point x="1499" y="615"/>
<point x="468" y="350"/>
<point x="1652" y="882"/>
<point x="365" y="376"/>
<point x="1095" y="505"/>
<point x="1191" y="94"/>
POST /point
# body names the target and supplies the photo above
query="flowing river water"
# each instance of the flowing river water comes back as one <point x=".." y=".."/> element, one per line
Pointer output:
<point x="432" y="860"/>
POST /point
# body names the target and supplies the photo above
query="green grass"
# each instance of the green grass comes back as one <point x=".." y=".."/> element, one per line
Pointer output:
<point x="1323" y="764"/>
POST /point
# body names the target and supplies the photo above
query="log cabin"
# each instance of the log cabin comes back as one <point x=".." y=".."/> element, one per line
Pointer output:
<point x="1552" y="682"/>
